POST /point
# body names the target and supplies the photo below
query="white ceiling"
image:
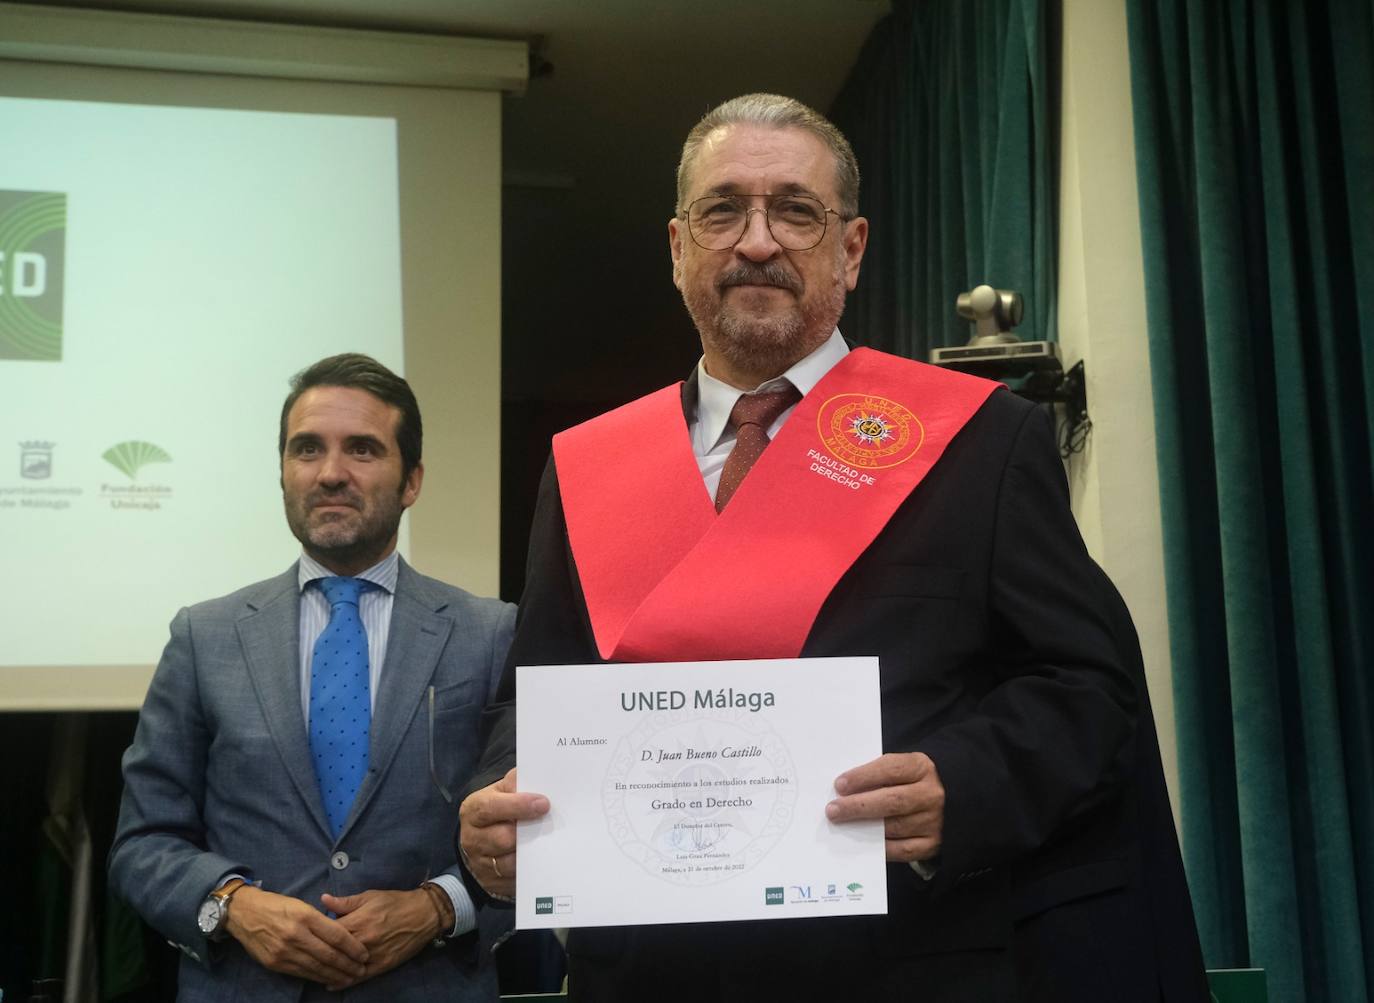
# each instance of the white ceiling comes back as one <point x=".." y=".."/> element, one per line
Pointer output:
<point x="609" y="75"/>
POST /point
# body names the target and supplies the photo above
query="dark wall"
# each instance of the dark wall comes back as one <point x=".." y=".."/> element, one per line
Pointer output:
<point x="586" y="325"/>
<point x="35" y="880"/>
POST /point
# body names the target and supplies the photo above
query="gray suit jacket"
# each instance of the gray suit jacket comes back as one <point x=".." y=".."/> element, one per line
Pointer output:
<point x="219" y="780"/>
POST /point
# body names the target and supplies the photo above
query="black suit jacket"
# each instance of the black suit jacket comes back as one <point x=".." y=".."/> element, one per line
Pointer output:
<point x="1005" y="655"/>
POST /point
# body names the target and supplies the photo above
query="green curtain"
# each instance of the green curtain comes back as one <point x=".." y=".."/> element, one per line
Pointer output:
<point x="951" y="109"/>
<point x="1254" y="125"/>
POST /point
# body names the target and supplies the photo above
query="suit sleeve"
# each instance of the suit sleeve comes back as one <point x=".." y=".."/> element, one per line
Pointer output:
<point x="159" y="862"/>
<point x="551" y="627"/>
<point x="502" y="632"/>
<point x="467" y="916"/>
<point x="1051" y="738"/>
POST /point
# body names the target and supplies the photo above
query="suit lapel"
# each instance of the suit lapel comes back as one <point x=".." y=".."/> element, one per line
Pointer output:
<point x="419" y="632"/>
<point x="269" y="632"/>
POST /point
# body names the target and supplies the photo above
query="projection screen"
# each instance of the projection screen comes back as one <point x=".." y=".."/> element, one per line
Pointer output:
<point x="174" y="245"/>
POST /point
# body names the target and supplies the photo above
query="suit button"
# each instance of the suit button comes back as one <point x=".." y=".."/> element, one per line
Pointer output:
<point x="339" y="861"/>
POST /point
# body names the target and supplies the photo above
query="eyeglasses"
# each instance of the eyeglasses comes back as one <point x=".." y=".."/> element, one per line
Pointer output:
<point x="797" y="222"/>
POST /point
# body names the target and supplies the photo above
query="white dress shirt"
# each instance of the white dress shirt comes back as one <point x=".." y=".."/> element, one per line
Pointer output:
<point x="712" y="436"/>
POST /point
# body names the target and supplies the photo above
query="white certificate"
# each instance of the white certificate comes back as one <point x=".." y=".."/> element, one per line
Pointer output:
<point x="690" y="792"/>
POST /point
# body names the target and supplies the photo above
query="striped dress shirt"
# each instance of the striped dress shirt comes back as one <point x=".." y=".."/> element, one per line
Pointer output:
<point x="374" y="608"/>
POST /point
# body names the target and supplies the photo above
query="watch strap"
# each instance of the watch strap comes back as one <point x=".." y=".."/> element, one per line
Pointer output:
<point x="227" y="889"/>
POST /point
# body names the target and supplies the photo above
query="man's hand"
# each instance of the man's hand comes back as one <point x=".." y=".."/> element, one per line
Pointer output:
<point x="291" y="937"/>
<point x="904" y="790"/>
<point x="487" y="831"/>
<point x="392" y="925"/>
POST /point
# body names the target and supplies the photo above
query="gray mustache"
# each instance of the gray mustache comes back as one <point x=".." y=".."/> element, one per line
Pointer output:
<point x="767" y="274"/>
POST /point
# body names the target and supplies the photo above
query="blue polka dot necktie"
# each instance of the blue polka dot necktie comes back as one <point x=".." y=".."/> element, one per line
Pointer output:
<point x="340" y="704"/>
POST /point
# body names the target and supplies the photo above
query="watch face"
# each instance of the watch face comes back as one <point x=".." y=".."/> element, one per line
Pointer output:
<point x="209" y="916"/>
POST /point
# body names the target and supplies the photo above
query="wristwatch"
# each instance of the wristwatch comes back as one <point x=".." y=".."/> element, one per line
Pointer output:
<point x="214" y="911"/>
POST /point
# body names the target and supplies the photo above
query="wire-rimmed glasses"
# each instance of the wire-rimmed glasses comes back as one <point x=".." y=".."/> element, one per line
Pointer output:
<point x="797" y="222"/>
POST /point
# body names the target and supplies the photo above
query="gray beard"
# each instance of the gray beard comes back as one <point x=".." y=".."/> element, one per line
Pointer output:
<point x="770" y="344"/>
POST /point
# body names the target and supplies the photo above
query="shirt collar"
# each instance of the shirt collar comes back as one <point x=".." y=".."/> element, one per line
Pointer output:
<point x="382" y="574"/>
<point x="715" y="399"/>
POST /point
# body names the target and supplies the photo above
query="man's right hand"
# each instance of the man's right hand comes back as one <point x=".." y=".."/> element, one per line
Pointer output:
<point x="291" y="937"/>
<point x="487" y="831"/>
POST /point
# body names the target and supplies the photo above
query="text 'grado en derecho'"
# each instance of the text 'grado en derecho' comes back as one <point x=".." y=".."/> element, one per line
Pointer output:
<point x="722" y="699"/>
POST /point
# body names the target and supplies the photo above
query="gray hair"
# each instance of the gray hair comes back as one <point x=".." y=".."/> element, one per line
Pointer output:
<point x="777" y="112"/>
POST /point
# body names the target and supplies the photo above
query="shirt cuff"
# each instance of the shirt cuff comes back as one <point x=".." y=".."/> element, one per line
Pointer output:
<point x="464" y="912"/>
<point x="925" y="868"/>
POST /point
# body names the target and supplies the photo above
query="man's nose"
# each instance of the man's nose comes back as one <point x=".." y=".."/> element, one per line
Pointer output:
<point x="332" y="469"/>
<point x="757" y="243"/>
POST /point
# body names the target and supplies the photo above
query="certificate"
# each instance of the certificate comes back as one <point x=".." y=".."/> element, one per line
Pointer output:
<point x="691" y="792"/>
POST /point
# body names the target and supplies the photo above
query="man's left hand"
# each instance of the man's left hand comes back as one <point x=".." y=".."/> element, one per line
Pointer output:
<point x="904" y="790"/>
<point x="393" y="925"/>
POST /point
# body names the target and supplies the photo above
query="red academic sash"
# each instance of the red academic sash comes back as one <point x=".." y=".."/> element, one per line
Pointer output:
<point x="667" y="579"/>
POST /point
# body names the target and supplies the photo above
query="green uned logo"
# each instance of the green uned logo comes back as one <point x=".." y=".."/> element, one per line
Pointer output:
<point x="772" y="896"/>
<point x="543" y="905"/>
<point x="33" y="236"/>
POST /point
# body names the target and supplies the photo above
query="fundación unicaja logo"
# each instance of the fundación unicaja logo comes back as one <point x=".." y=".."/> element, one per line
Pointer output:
<point x="33" y="235"/>
<point x="35" y="460"/>
<point x="131" y="457"/>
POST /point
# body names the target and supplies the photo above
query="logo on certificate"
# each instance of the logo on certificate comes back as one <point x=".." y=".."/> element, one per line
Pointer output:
<point x="543" y="905"/>
<point x="700" y="793"/>
<point x="772" y="896"/>
<point x="869" y="432"/>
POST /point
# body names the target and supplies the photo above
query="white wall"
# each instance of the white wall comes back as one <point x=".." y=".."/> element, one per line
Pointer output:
<point x="1115" y="481"/>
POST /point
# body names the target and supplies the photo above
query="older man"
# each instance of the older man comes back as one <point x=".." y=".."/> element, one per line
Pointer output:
<point x="287" y="814"/>
<point x="897" y="510"/>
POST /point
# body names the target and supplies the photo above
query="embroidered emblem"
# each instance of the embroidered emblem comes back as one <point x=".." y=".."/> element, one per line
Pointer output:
<point x="870" y="429"/>
<point x="869" y="432"/>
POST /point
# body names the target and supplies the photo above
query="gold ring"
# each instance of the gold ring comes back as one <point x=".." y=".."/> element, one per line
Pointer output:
<point x="496" y="869"/>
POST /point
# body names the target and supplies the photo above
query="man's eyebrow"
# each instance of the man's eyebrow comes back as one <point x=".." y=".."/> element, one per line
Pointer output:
<point x="786" y="188"/>
<point x="350" y="442"/>
<point x="366" y="440"/>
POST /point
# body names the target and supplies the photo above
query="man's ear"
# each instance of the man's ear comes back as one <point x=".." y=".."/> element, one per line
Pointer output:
<point x="675" y="249"/>
<point x="853" y="242"/>
<point x="410" y="491"/>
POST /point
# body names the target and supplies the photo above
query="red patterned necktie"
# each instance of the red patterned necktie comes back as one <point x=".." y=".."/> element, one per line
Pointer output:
<point x="750" y="418"/>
